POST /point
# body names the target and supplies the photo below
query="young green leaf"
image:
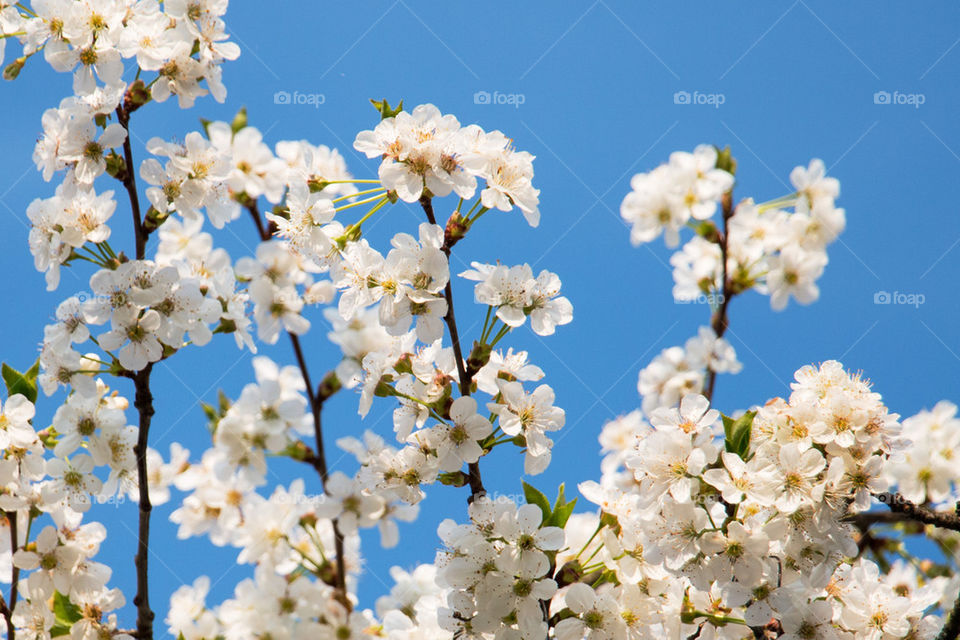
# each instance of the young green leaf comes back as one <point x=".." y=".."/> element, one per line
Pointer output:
<point x="66" y="614"/>
<point x="737" y="433"/>
<point x="534" y="496"/>
<point x="23" y="383"/>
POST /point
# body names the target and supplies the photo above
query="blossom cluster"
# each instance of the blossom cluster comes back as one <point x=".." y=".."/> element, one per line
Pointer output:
<point x="425" y="151"/>
<point x="767" y="247"/>
<point x="57" y="474"/>
<point x="706" y="525"/>
<point x="733" y="527"/>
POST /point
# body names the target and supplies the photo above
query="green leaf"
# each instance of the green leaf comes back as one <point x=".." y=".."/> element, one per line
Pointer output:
<point x="561" y="510"/>
<point x="66" y="614"/>
<point x="737" y="433"/>
<point x="386" y="111"/>
<point x="534" y="496"/>
<point x="215" y="414"/>
<point x="725" y="160"/>
<point x="239" y="120"/>
<point x="22" y="383"/>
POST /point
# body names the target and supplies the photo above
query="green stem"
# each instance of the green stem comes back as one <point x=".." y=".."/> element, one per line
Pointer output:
<point x="473" y="208"/>
<point x="479" y="213"/>
<point x="501" y="334"/>
<point x="486" y="321"/>
<point x="361" y="202"/>
<point x="587" y="543"/>
<point x="359" y="193"/>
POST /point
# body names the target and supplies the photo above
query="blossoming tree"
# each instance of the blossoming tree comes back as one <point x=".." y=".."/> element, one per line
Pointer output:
<point x="783" y="520"/>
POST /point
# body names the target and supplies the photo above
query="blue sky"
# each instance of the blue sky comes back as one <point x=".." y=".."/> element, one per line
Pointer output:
<point x="590" y="90"/>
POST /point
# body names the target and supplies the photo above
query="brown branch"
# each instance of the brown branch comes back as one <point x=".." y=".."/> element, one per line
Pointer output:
<point x="257" y="220"/>
<point x="130" y="182"/>
<point x="316" y="398"/>
<point x="719" y="322"/>
<point x="15" y="574"/>
<point x="951" y="628"/>
<point x="143" y="401"/>
<point x="919" y="513"/>
<point x="903" y="510"/>
<point x="5" y="611"/>
<point x="476" y="481"/>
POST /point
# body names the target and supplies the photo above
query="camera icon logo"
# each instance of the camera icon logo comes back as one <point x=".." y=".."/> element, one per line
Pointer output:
<point x="881" y="97"/>
<point x="681" y="97"/>
<point x="281" y="97"/>
<point x="481" y="97"/>
<point x="881" y="297"/>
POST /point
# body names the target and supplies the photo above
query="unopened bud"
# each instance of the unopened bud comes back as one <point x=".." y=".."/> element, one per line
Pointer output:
<point x="329" y="385"/>
<point x="154" y="219"/>
<point x="116" y="166"/>
<point x="136" y="96"/>
<point x="456" y="229"/>
<point x="12" y="70"/>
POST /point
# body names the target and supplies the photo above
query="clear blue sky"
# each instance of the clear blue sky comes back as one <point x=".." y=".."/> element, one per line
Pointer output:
<point x="597" y="83"/>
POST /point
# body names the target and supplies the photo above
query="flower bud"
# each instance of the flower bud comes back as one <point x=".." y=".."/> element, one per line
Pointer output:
<point x="136" y="96"/>
<point x="12" y="70"/>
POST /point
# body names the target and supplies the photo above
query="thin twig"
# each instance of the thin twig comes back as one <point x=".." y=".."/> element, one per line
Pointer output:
<point x="476" y="481"/>
<point x="719" y="322"/>
<point x="130" y="182"/>
<point x="316" y="398"/>
<point x="143" y="401"/>
<point x="5" y="610"/>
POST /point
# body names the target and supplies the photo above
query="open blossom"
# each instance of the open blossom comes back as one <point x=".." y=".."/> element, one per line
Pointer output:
<point x="15" y="416"/>
<point x="305" y="212"/>
<point x="531" y="415"/>
<point x="516" y="294"/>
<point x="458" y="443"/>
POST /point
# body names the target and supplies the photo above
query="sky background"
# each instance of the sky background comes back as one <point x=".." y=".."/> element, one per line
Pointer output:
<point x="589" y="89"/>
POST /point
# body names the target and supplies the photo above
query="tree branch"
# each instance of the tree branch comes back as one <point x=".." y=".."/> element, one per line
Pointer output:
<point x="130" y="182"/>
<point x="316" y="398"/>
<point x="719" y="322"/>
<point x="919" y="513"/>
<point x="951" y="628"/>
<point x="143" y="401"/>
<point x="7" y="611"/>
<point x="476" y="481"/>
